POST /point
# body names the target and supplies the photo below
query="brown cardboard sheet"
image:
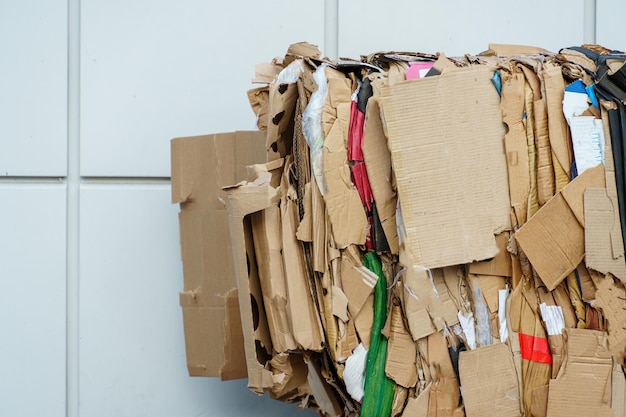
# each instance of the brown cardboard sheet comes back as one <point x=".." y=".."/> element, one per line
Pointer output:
<point x="401" y="353"/>
<point x="445" y="135"/>
<point x="603" y="238"/>
<point x="345" y="210"/>
<point x="583" y="386"/>
<point x="242" y="201"/>
<point x="553" y="239"/>
<point x="489" y="382"/>
<point x="266" y="231"/>
<point x="201" y="166"/>
<point x="499" y="265"/>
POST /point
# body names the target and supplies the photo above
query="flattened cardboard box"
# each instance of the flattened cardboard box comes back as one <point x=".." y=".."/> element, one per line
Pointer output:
<point x="446" y="140"/>
<point x="201" y="166"/>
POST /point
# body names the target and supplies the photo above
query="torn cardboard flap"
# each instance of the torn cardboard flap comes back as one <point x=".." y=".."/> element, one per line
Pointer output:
<point x="267" y="237"/>
<point x="574" y="192"/>
<point x="305" y="321"/>
<point x="585" y="374"/>
<point x="611" y="299"/>
<point x="599" y="222"/>
<point x="445" y="135"/>
<point x="401" y="353"/>
<point x="345" y="210"/>
<point x="553" y="239"/>
<point x="499" y="265"/>
<point x="515" y="143"/>
<point x="489" y="382"/>
<point x="202" y="165"/>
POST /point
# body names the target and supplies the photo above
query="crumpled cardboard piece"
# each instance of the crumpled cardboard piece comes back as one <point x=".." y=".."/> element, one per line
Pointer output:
<point x="560" y="143"/>
<point x="583" y="386"/>
<point x="556" y="225"/>
<point x="489" y="382"/>
<point x="242" y="201"/>
<point x="603" y="235"/>
<point x="444" y="393"/>
<point x="379" y="172"/>
<point x="418" y="406"/>
<point x="401" y="352"/>
<point x="427" y="302"/>
<point x="435" y="127"/>
<point x="345" y="210"/>
<point x="611" y="299"/>
<point x="266" y="230"/>
<point x="305" y="321"/>
<point x="515" y="144"/>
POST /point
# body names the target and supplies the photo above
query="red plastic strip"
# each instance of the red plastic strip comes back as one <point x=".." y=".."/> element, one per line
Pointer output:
<point x="535" y="349"/>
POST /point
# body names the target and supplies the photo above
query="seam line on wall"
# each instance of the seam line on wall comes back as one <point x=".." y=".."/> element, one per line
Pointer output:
<point x="589" y="21"/>
<point x="73" y="210"/>
<point x="331" y="28"/>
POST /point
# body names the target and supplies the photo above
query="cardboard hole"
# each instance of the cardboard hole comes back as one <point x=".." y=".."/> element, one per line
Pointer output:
<point x="255" y="312"/>
<point x="276" y="119"/>
<point x="282" y="88"/>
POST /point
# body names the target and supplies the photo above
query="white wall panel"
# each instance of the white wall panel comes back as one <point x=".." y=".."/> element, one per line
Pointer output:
<point x="33" y="88"/>
<point x="456" y="27"/>
<point x="32" y="300"/>
<point x="156" y="69"/>
<point x="610" y="24"/>
<point x="132" y="358"/>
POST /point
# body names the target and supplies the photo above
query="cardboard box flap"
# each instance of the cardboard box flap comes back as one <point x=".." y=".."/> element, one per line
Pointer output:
<point x="585" y="374"/>
<point x="573" y="193"/>
<point x="553" y="239"/>
<point x="202" y="165"/>
<point x="440" y="130"/>
<point x="489" y="382"/>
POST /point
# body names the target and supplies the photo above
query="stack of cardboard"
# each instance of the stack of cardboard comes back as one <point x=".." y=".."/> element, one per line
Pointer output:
<point x="415" y="235"/>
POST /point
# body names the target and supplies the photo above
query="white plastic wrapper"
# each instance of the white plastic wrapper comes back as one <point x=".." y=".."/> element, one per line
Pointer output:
<point x="483" y="325"/>
<point x="354" y="372"/>
<point x="553" y="317"/>
<point x="467" y="324"/>
<point x="290" y="73"/>
<point x="312" y="126"/>
<point x="504" y="331"/>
